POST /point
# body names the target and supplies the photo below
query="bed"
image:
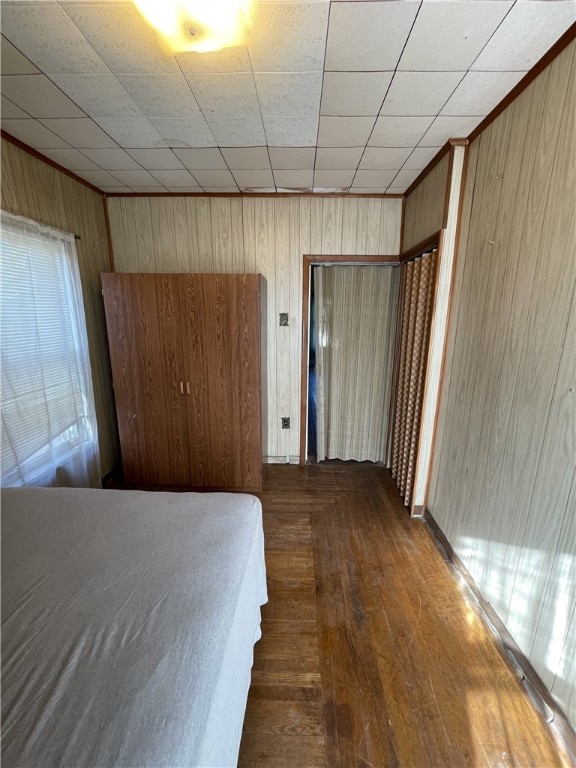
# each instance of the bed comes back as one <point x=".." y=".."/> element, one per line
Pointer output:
<point x="128" y="625"/>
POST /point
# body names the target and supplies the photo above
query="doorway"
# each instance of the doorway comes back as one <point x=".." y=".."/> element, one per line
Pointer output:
<point x="349" y="317"/>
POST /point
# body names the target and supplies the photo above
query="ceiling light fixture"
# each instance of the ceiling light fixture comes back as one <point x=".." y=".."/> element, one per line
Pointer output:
<point x="197" y="25"/>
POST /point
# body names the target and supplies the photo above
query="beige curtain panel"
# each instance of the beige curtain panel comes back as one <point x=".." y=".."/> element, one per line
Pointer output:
<point x="356" y="310"/>
<point x="418" y="283"/>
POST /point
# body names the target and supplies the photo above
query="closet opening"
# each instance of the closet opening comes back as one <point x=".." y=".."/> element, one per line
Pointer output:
<point x="349" y="316"/>
<point x="366" y="332"/>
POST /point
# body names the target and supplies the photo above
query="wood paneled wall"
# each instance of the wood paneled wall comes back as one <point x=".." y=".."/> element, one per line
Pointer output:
<point x="34" y="189"/>
<point x="424" y="207"/>
<point x="270" y="236"/>
<point x="503" y="485"/>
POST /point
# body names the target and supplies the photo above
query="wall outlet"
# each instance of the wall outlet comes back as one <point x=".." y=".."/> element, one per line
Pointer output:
<point x="285" y="422"/>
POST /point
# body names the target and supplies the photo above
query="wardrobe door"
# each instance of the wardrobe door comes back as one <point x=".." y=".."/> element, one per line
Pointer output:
<point x="143" y="320"/>
<point x="221" y="341"/>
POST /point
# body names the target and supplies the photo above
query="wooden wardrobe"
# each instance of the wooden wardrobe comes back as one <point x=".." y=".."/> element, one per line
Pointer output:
<point x="187" y="362"/>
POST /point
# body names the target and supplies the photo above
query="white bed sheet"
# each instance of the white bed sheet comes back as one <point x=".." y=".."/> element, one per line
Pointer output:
<point x="128" y="626"/>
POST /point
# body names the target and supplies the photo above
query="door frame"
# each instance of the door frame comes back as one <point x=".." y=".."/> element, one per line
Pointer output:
<point x="307" y="263"/>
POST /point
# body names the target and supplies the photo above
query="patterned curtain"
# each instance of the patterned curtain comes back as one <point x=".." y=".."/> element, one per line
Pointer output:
<point x="355" y="318"/>
<point x="415" y="318"/>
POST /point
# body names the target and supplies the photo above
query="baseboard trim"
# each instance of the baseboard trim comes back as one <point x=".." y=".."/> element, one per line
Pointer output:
<point x="282" y="459"/>
<point x="555" y="718"/>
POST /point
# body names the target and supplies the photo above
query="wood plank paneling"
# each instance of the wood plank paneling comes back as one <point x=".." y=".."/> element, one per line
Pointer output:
<point x="424" y="207"/>
<point x="506" y="441"/>
<point x="263" y="235"/>
<point x="438" y="332"/>
<point x="34" y="189"/>
<point x="282" y="356"/>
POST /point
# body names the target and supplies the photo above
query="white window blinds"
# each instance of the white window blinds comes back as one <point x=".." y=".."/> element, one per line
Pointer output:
<point x="49" y="434"/>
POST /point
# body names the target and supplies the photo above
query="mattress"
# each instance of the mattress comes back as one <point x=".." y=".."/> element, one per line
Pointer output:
<point x="128" y="625"/>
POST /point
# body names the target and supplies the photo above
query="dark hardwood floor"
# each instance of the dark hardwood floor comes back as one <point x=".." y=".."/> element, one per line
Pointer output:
<point x="371" y="655"/>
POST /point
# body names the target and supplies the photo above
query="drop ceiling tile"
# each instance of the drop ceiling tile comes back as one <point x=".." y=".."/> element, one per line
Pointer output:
<point x="116" y="190"/>
<point x="294" y="179"/>
<point x="374" y="178"/>
<point x="34" y="134"/>
<point x="368" y="190"/>
<point x="384" y="158"/>
<point x="283" y="94"/>
<point x="38" y="96"/>
<point x="399" y="131"/>
<point x="214" y="178"/>
<point x="233" y="93"/>
<point x="209" y="158"/>
<point x="291" y="131"/>
<point x="98" y="95"/>
<point x="121" y="38"/>
<point x="480" y="92"/>
<point x="294" y="190"/>
<point x="419" y="93"/>
<point x="292" y="158"/>
<point x="405" y="178"/>
<point x="175" y="178"/>
<point x="10" y="111"/>
<point x="71" y="159"/>
<point x="112" y="159"/>
<point x="232" y="131"/>
<point x="226" y="60"/>
<point x="184" y="132"/>
<point x="222" y="190"/>
<point x="368" y="36"/>
<point x="186" y="190"/>
<point x="336" y="158"/>
<point x="282" y="2"/>
<point x="330" y="190"/>
<point x="135" y="178"/>
<point x="354" y="93"/>
<point x="161" y="95"/>
<point x="444" y="128"/>
<point x="132" y="132"/>
<point x="157" y="159"/>
<point x="99" y="178"/>
<point x="420" y="157"/>
<point x="13" y="62"/>
<point x="80" y="132"/>
<point x="247" y="158"/>
<point x="344" y="131"/>
<point x="258" y="190"/>
<point x="340" y="178"/>
<point x="288" y="37"/>
<point x="50" y="39"/>
<point x="527" y="32"/>
<point x="254" y="178"/>
<point x="154" y="189"/>
<point x="451" y="34"/>
<point x="396" y="190"/>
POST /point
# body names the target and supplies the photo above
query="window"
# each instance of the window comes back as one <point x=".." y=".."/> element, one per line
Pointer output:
<point x="49" y="434"/>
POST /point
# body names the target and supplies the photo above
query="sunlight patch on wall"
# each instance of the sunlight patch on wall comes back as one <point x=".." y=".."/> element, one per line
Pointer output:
<point x="533" y="593"/>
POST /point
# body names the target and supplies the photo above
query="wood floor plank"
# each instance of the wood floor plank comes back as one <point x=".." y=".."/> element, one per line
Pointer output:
<point x="267" y="750"/>
<point x="371" y="654"/>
